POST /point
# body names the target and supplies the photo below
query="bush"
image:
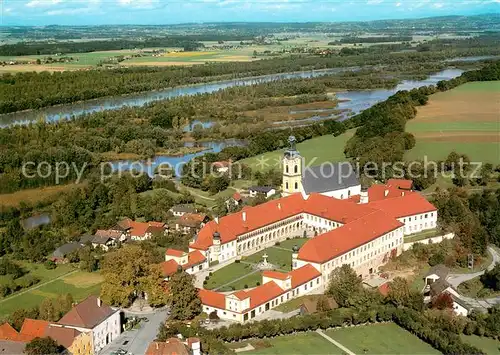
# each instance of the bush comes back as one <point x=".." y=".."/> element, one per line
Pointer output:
<point x="4" y="290"/>
<point x="258" y="283"/>
<point x="246" y="286"/>
<point x="50" y="265"/>
<point x="209" y="274"/>
<point x="277" y="244"/>
<point x="27" y="281"/>
<point x="236" y="261"/>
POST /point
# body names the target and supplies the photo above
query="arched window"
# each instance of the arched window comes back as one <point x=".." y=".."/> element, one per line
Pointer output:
<point x="296" y="185"/>
<point x="286" y="168"/>
<point x="348" y="193"/>
<point x="286" y="185"/>
<point x="296" y="169"/>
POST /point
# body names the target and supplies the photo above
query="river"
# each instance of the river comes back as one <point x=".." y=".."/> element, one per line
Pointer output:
<point x="56" y="113"/>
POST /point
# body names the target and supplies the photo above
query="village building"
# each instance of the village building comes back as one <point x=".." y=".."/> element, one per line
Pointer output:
<point x="192" y="346"/>
<point x="234" y="201"/>
<point x="190" y="222"/>
<point x="266" y="191"/>
<point x="180" y="210"/>
<point x="134" y="230"/>
<point x="175" y="260"/>
<point x="94" y="317"/>
<point x="221" y="166"/>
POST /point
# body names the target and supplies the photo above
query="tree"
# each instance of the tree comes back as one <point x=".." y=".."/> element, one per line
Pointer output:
<point x="344" y="284"/>
<point x="126" y="273"/>
<point x="42" y="346"/>
<point x="322" y="304"/>
<point x="399" y="292"/>
<point x="442" y="301"/>
<point x="153" y="286"/>
<point x="491" y="278"/>
<point x="183" y="297"/>
<point x="48" y="311"/>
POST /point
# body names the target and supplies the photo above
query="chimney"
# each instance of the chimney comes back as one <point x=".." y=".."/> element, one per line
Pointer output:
<point x="279" y="206"/>
<point x="216" y="219"/>
<point x="99" y="302"/>
<point x="363" y="196"/>
<point x="244" y="215"/>
<point x="156" y="346"/>
<point x="402" y="193"/>
<point x="386" y="192"/>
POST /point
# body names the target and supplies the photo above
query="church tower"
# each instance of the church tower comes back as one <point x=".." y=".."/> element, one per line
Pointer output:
<point x="292" y="169"/>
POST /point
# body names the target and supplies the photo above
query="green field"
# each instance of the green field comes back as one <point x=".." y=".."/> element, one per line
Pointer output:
<point x="227" y="274"/>
<point x="464" y="119"/>
<point x="488" y="345"/>
<point x="290" y="243"/>
<point x="316" y="151"/>
<point x="301" y="343"/>
<point x="79" y="284"/>
<point x="386" y="338"/>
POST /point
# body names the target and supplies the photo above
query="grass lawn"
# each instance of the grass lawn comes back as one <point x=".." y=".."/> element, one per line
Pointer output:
<point x="301" y="343"/>
<point x="464" y="119"/>
<point x="281" y="259"/>
<point x="250" y="281"/>
<point x="386" y="338"/>
<point x="315" y="151"/>
<point x="79" y="285"/>
<point x="421" y="235"/>
<point x="418" y="281"/>
<point x="227" y="274"/>
<point x="488" y="345"/>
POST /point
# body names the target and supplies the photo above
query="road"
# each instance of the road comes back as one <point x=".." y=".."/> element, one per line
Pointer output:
<point x="457" y="279"/>
<point x="137" y="341"/>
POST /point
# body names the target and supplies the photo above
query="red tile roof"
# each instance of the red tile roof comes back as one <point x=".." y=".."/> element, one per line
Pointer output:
<point x="384" y="289"/>
<point x="241" y="295"/>
<point x="7" y="332"/>
<point x="191" y="219"/>
<point x="303" y="274"/>
<point x="174" y="252"/>
<point x="233" y="225"/>
<point x="338" y="241"/>
<point x="379" y="192"/>
<point x="408" y="205"/>
<point x="138" y="229"/>
<point x="264" y="293"/>
<point x="87" y="314"/>
<point x="275" y="275"/>
<point x="237" y="196"/>
<point x="62" y="335"/>
<point x="212" y="298"/>
<point x="171" y="346"/>
<point x="400" y="183"/>
<point x="34" y="327"/>
<point x="194" y="258"/>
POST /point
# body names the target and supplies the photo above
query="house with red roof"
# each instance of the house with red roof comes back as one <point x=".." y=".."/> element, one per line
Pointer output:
<point x="139" y="230"/>
<point x="276" y="288"/>
<point x="191" y="222"/>
<point x="176" y="260"/>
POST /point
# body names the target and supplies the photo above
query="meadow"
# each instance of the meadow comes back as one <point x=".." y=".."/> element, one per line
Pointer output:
<point x="34" y="196"/>
<point x="315" y="151"/>
<point x="464" y="119"/>
<point x="62" y="280"/>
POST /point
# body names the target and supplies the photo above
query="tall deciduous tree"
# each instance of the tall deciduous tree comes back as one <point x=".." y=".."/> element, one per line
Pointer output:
<point x="42" y="346"/>
<point x="183" y="297"/>
<point x="399" y="292"/>
<point x="344" y="284"/>
<point x="127" y="273"/>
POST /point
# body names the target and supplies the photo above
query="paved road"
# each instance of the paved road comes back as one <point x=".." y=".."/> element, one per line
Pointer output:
<point x="136" y="341"/>
<point x="457" y="279"/>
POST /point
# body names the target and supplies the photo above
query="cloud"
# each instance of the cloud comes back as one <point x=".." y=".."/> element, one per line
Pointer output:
<point x="438" y="5"/>
<point x="374" y="2"/>
<point x="43" y="3"/>
<point x="140" y="4"/>
<point x="76" y="11"/>
<point x="398" y="4"/>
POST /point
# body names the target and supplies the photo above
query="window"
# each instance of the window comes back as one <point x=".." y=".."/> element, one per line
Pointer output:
<point x="286" y="168"/>
<point x="296" y="185"/>
<point x="296" y="169"/>
<point x="286" y="185"/>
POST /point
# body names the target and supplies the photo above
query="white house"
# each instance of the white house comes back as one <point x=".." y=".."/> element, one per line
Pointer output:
<point x="267" y="191"/>
<point x="191" y="262"/>
<point x="92" y="315"/>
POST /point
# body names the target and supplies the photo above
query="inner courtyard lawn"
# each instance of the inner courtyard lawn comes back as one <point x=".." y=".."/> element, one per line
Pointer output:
<point x="228" y="274"/>
<point x="386" y="338"/>
<point x="280" y="258"/>
<point x="301" y="343"/>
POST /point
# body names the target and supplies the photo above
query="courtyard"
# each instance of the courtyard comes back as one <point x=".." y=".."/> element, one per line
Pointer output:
<point x="245" y="273"/>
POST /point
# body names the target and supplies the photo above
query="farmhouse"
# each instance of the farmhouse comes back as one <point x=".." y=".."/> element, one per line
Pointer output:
<point x="267" y="191"/>
<point x="139" y="230"/>
<point x="191" y="262"/>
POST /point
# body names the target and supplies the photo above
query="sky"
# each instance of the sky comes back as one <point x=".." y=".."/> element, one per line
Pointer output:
<point x="94" y="12"/>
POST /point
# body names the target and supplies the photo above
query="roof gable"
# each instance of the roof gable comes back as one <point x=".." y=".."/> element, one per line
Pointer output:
<point x="87" y="314"/>
<point x="329" y="177"/>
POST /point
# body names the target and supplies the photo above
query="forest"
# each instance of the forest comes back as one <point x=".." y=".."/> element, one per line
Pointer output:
<point x="373" y="39"/>
<point x="35" y="90"/>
